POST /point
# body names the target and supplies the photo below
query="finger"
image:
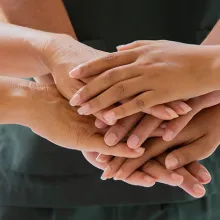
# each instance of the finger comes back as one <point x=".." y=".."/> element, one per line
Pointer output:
<point x="100" y="124"/>
<point x="104" y="63"/>
<point x="99" y="116"/>
<point x="173" y="127"/>
<point x="190" y="184"/>
<point x="103" y="82"/>
<point x="199" y="172"/>
<point x="143" y="131"/>
<point x="180" y="107"/>
<point x="90" y="156"/>
<point x="112" y="168"/>
<point x="162" y="111"/>
<point x="111" y="96"/>
<point x="96" y="144"/>
<point x="139" y="104"/>
<point x="136" y="44"/>
<point x="198" y="150"/>
<point x="161" y="174"/>
<point x="139" y="178"/>
<point x="118" y="131"/>
<point x="157" y="133"/>
<point x="102" y="158"/>
<point x="153" y="147"/>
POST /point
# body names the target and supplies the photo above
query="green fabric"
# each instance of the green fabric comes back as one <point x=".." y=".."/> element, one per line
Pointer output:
<point x="201" y="209"/>
<point x="35" y="172"/>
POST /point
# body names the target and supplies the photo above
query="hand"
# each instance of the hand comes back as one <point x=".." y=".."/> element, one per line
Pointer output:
<point x="164" y="71"/>
<point x="50" y="116"/>
<point x="189" y="178"/>
<point x="139" y="127"/>
<point x="63" y="53"/>
<point x="197" y="141"/>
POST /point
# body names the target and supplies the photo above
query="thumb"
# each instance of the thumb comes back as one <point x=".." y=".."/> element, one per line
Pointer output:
<point x="135" y="44"/>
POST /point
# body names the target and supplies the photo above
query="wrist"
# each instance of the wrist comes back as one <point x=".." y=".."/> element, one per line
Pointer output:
<point x="14" y="101"/>
<point x="215" y="67"/>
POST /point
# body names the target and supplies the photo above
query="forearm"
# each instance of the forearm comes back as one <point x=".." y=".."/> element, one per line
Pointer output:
<point x="214" y="39"/>
<point x="21" y="53"/>
<point x="42" y="15"/>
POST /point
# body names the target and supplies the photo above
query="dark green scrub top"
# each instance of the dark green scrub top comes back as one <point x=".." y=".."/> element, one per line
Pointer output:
<point x="35" y="172"/>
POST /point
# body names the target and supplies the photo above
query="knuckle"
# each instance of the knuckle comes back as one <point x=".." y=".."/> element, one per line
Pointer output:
<point x="109" y="76"/>
<point x="95" y="103"/>
<point x="110" y="57"/>
<point x="140" y="104"/>
<point x="147" y="168"/>
<point x="119" y="90"/>
<point x="81" y="134"/>
<point x="138" y="43"/>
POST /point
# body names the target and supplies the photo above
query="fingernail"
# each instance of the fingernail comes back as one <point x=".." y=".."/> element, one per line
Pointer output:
<point x="110" y="117"/>
<point x="75" y="100"/>
<point x="99" y="124"/>
<point x="171" y="162"/>
<point x="102" y="158"/>
<point x="133" y="141"/>
<point x="111" y="139"/>
<point x="171" y="112"/>
<point x="176" y="177"/>
<point x="204" y="176"/>
<point x="84" y="110"/>
<point x="148" y="179"/>
<point x="117" y="175"/>
<point x="106" y="173"/>
<point x="168" y="135"/>
<point x="75" y="72"/>
<point x="140" y="150"/>
<point x="198" y="189"/>
<point x="185" y="107"/>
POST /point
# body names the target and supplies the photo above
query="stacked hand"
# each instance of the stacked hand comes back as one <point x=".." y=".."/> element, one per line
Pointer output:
<point x="149" y="124"/>
<point x="152" y="169"/>
<point x="50" y="115"/>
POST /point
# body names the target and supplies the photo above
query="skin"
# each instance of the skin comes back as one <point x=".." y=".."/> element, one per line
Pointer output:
<point x="148" y="124"/>
<point x="43" y="109"/>
<point x="67" y="89"/>
<point x="192" y="138"/>
<point x="147" y="64"/>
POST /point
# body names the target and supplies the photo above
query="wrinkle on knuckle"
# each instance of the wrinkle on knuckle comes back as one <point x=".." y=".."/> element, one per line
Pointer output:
<point x="108" y="77"/>
<point x="149" y="166"/>
<point x="119" y="90"/>
<point x="110" y="57"/>
<point x="95" y="103"/>
<point x="140" y="104"/>
<point x="81" y="134"/>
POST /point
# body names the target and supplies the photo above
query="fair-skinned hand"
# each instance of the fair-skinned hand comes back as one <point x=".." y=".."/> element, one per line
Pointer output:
<point x="32" y="53"/>
<point x="163" y="71"/>
<point x="197" y="141"/>
<point x="190" y="178"/>
<point x="139" y="127"/>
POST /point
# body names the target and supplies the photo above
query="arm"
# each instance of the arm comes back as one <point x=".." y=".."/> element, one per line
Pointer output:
<point x="14" y="95"/>
<point x="42" y="15"/>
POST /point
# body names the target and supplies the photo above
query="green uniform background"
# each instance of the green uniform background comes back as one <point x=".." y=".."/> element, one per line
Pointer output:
<point x="39" y="180"/>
